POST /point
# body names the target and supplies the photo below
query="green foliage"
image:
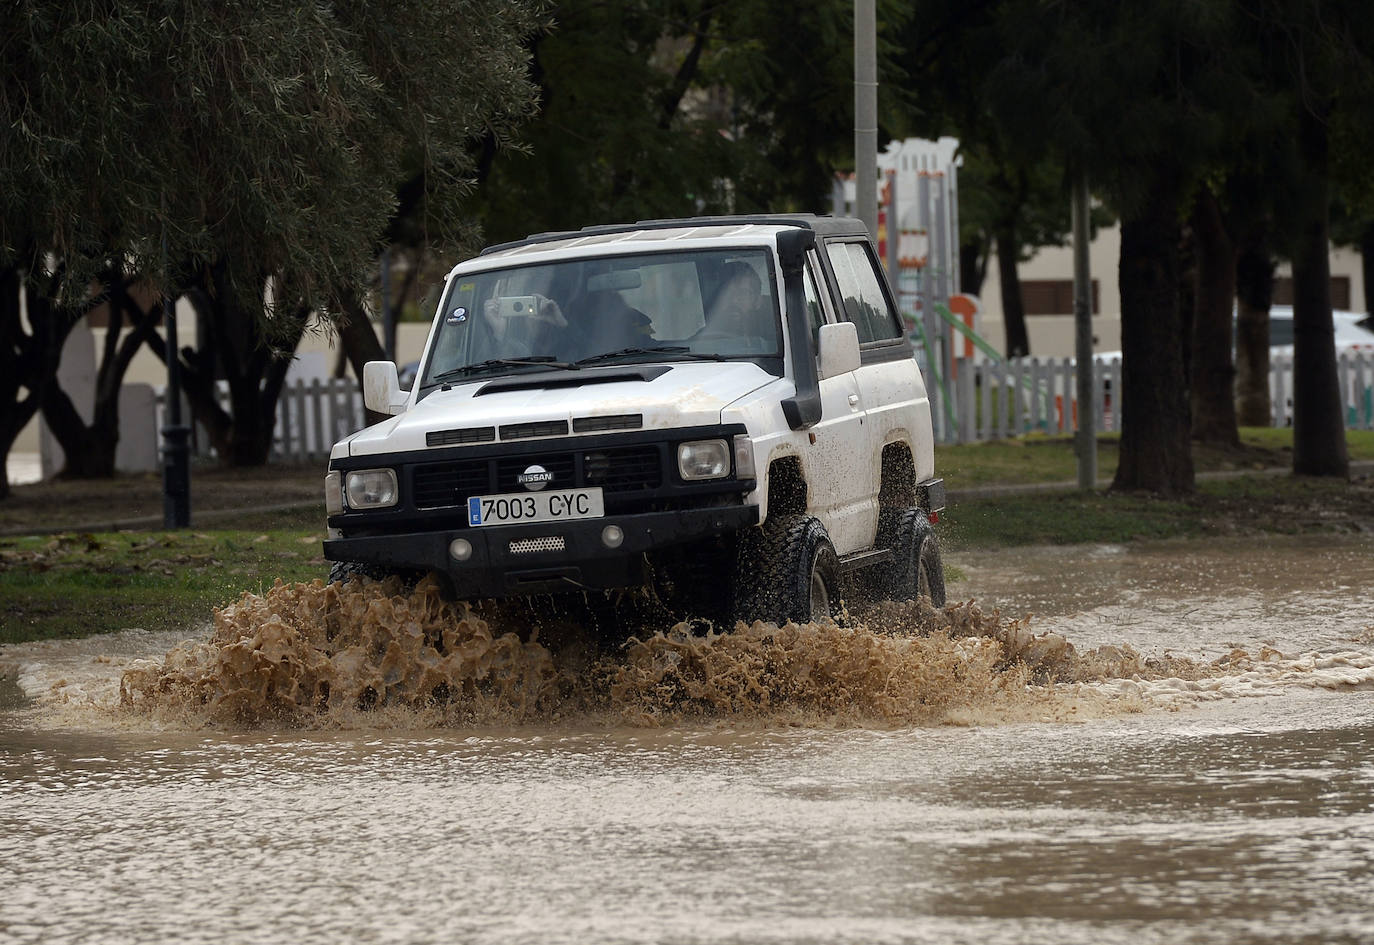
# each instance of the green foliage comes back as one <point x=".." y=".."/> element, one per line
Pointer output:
<point x="265" y="136"/>
<point x="676" y="107"/>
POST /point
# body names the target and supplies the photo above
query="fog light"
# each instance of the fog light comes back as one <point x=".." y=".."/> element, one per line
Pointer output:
<point x="460" y="549"/>
<point x="612" y="536"/>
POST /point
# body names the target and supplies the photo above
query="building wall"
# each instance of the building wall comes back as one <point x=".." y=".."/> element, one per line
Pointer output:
<point x="1053" y="335"/>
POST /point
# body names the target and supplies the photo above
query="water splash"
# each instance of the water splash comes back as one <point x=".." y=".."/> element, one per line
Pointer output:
<point x="316" y="654"/>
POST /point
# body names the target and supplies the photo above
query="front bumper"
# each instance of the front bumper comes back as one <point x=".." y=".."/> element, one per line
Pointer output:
<point x="510" y="560"/>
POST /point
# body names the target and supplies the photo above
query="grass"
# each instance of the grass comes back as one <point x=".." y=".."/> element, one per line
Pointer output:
<point x="1246" y="505"/>
<point x="1040" y="458"/>
<point x="77" y="584"/>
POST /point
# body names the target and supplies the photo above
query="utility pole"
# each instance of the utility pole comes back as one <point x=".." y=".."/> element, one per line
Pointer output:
<point x="388" y="316"/>
<point x="176" y="466"/>
<point x="1086" y="437"/>
<point x="866" y="115"/>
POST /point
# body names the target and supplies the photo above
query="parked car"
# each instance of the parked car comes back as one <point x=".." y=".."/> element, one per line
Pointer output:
<point x="1354" y="332"/>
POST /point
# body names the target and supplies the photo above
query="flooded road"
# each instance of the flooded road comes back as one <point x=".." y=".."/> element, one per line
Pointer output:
<point x="1233" y="806"/>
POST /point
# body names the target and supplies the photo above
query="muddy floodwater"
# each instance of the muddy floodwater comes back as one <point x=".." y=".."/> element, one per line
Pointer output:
<point x="1177" y="745"/>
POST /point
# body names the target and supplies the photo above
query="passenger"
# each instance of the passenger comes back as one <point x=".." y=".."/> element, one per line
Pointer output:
<point x="537" y="333"/>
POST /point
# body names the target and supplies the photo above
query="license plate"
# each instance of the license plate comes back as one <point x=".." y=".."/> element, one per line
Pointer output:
<point x="553" y="506"/>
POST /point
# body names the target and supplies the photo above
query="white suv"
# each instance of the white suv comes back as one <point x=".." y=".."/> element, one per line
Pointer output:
<point x="723" y="409"/>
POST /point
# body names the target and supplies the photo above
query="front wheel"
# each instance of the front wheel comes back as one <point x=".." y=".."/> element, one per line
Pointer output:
<point x="787" y="570"/>
<point x="916" y="570"/>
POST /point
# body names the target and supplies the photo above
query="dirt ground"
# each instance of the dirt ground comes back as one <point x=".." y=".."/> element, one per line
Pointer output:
<point x="217" y="496"/>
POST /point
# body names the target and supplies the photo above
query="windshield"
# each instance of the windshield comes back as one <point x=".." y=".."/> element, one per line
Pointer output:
<point x="715" y="304"/>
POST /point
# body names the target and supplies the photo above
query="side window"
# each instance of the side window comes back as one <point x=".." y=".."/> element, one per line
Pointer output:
<point x="815" y="313"/>
<point x="864" y="302"/>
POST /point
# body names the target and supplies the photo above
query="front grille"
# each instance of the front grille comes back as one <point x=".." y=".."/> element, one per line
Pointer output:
<point x="439" y="485"/>
<point x="617" y="470"/>
<point x="525" y="546"/>
<point x="624" y="469"/>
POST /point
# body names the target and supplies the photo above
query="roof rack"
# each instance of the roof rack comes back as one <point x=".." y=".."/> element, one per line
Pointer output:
<point x="809" y="221"/>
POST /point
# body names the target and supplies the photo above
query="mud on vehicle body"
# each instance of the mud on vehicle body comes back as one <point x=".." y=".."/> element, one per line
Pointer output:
<point x="723" y="409"/>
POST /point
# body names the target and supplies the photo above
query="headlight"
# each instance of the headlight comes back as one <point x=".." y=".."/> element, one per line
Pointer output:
<point x="333" y="492"/>
<point x="703" y="459"/>
<point x="370" y="488"/>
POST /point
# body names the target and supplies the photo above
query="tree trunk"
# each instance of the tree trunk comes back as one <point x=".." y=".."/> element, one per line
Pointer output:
<point x="1318" y="421"/>
<point x="359" y="341"/>
<point x="28" y="359"/>
<point x="973" y="265"/>
<point x="1156" y="453"/>
<point x="242" y="436"/>
<point x="89" y="451"/>
<point x="1013" y="307"/>
<point x="357" y="336"/>
<point x="1254" y="292"/>
<point x="1211" y="372"/>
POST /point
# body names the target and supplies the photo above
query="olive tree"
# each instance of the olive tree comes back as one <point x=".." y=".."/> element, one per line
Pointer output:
<point x="247" y="156"/>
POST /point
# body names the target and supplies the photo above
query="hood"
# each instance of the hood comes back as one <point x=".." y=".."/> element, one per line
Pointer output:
<point x="685" y="394"/>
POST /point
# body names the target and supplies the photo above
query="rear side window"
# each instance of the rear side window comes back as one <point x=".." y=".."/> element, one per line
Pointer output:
<point x="864" y="302"/>
<point x="815" y="314"/>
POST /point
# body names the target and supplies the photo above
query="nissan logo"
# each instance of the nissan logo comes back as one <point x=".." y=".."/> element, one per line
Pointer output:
<point x="535" y="478"/>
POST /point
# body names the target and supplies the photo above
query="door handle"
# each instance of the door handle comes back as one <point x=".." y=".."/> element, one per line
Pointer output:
<point x="853" y="400"/>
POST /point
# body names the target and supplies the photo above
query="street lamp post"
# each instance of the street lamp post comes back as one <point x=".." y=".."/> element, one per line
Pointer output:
<point x="866" y="115"/>
<point x="176" y="467"/>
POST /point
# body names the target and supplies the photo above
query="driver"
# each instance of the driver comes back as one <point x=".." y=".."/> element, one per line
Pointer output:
<point x="738" y="310"/>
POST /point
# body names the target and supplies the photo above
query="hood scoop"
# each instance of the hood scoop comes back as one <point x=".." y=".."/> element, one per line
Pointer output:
<point x="550" y="380"/>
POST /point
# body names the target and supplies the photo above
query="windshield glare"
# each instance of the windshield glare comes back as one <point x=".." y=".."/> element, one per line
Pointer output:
<point x="717" y="303"/>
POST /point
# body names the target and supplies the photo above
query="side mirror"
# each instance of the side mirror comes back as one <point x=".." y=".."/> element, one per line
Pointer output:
<point x="839" y="349"/>
<point x="381" y="389"/>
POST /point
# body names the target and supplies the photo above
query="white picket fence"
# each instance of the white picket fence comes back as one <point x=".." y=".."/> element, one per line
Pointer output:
<point x="312" y="415"/>
<point x="995" y="400"/>
<point x="989" y="400"/>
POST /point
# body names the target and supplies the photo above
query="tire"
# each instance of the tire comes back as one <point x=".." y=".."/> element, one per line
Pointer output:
<point x="787" y="570"/>
<point x="341" y="572"/>
<point x="916" y="570"/>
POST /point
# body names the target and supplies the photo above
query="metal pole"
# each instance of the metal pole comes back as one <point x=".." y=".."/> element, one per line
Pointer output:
<point x="1086" y="438"/>
<point x="930" y="324"/>
<point x="894" y="227"/>
<point x="866" y="115"/>
<point x="176" y="467"/>
<point x="388" y="317"/>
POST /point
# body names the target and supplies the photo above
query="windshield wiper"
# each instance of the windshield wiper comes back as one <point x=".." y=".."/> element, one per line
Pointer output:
<point x="537" y="360"/>
<point x="682" y="350"/>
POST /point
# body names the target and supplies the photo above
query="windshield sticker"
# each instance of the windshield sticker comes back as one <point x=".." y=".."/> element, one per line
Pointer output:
<point x="457" y="316"/>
